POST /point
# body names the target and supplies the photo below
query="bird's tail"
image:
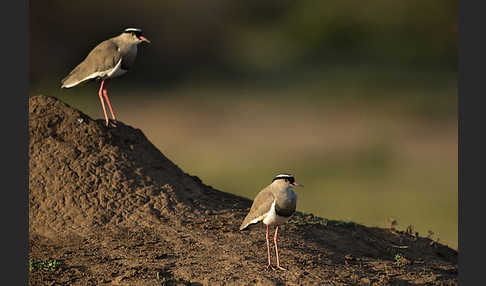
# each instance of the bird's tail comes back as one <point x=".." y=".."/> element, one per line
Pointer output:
<point x="243" y="226"/>
<point x="246" y="222"/>
<point x="63" y="85"/>
<point x="73" y="78"/>
<point x="67" y="81"/>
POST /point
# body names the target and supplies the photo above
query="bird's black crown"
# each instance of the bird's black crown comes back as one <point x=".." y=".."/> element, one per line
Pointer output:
<point x="289" y="177"/>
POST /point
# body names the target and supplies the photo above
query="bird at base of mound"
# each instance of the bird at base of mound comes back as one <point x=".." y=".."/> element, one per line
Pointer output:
<point x="273" y="205"/>
<point x="109" y="59"/>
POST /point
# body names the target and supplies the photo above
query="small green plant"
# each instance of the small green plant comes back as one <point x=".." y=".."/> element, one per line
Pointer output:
<point x="301" y="219"/>
<point x="399" y="260"/>
<point x="165" y="281"/>
<point x="45" y="265"/>
<point x="168" y="281"/>
<point x="339" y="223"/>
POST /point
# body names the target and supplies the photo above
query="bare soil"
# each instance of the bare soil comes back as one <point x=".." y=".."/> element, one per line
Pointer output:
<point x="113" y="210"/>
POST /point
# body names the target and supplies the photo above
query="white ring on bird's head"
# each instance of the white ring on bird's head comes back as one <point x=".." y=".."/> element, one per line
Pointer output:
<point x="283" y="176"/>
<point x="128" y="30"/>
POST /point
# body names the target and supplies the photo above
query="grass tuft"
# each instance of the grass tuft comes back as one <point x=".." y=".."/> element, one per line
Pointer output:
<point x="44" y="265"/>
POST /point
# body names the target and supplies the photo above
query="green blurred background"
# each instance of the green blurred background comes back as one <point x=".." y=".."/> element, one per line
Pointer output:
<point x="357" y="99"/>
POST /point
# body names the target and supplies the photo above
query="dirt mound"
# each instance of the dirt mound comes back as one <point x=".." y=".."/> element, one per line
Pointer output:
<point x="112" y="209"/>
<point x="84" y="175"/>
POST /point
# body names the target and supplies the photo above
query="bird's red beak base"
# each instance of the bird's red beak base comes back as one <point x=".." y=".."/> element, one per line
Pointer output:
<point x="144" y="39"/>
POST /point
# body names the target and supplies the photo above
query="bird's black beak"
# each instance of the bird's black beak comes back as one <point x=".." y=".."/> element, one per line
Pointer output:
<point x="143" y="39"/>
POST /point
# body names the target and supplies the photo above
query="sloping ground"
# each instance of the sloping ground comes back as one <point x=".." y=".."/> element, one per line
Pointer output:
<point x="113" y="210"/>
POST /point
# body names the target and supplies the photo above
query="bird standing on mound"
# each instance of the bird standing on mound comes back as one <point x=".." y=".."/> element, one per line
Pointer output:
<point x="109" y="59"/>
<point x="273" y="205"/>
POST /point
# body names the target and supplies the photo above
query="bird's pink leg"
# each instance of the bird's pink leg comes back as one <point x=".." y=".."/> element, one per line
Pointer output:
<point x="268" y="250"/>
<point x="100" y="93"/>
<point x="105" y="93"/>
<point x="276" y="248"/>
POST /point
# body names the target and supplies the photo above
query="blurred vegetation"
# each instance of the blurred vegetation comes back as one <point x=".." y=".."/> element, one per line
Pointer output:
<point x="247" y="40"/>
<point x="357" y="99"/>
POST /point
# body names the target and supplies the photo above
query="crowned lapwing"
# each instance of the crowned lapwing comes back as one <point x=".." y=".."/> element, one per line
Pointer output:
<point x="109" y="59"/>
<point x="273" y="205"/>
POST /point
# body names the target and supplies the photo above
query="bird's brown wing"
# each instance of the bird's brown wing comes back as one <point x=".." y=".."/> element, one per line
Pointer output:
<point x="102" y="58"/>
<point x="261" y="205"/>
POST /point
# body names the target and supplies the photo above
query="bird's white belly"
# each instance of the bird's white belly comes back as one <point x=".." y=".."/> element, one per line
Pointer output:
<point x="116" y="71"/>
<point x="272" y="218"/>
